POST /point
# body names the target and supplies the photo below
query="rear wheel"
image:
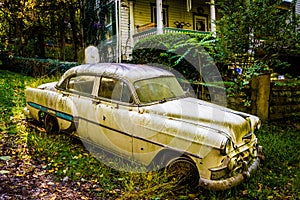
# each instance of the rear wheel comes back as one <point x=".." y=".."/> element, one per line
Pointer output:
<point x="51" y="124"/>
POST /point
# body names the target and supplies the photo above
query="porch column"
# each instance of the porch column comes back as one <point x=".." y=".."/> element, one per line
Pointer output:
<point x="118" y="31"/>
<point x="131" y="22"/>
<point x="212" y="17"/>
<point x="159" y="17"/>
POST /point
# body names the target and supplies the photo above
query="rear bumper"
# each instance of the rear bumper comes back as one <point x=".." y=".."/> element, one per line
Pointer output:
<point x="26" y="112"/>
<point x="233" y="181"/>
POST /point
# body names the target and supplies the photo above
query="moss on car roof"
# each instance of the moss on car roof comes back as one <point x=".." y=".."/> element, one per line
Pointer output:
<point x="131" y="72"/>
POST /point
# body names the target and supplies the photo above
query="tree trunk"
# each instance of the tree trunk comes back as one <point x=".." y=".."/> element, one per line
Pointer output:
<point x="20" y="35"/>
<point x="72" y="12"/>
<point x="40" y="40"/>
<point x="62" y="38"/>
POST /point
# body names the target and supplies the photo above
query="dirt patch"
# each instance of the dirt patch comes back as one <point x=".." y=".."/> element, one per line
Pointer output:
<point x="21" y="177"/>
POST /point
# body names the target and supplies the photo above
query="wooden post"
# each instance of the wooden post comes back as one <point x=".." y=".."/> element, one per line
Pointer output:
<point x="260" y="87"/>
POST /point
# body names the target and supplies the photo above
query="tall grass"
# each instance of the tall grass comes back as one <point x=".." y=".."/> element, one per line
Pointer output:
<point x="66" y="158"/>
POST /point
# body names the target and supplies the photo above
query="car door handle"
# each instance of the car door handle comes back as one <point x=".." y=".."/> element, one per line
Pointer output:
<point x="65" y="95"/>
<point x="96" y="101"/>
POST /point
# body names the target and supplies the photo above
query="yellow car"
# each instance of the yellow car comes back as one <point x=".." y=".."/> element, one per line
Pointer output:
<point x="141" y="113"/>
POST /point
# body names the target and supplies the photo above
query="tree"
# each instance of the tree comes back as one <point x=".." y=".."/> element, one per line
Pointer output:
<point x="12" y="15"/>
<point x="30" y="24"/>
<point x="255" y="32"/>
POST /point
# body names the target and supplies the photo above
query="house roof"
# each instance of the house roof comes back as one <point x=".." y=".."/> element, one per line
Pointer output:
<point x="131" y="72"/>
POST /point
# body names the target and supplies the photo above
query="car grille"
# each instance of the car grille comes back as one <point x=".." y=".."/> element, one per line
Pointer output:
<point x="234" y="165"/>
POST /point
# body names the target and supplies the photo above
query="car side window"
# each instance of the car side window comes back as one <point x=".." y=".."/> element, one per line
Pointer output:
<point x="115" y="89"/>
<point x="107" y="86"/>
<point x="82" y="84"/>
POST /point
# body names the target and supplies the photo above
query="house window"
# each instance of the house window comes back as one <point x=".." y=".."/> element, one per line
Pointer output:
<point x="165" y="15"/>
<point x="110" y="21"/>
<point x="200" y="22"/>
<point x="108" y="18"/>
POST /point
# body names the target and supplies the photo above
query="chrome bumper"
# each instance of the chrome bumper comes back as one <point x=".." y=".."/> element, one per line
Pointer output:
<point x="233" y="181"/>
<point x="26" y="112"/>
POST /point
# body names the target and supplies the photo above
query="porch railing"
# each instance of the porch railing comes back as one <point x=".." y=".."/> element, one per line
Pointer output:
<point x="153" y="31"/>
<point x="144" y="34"/>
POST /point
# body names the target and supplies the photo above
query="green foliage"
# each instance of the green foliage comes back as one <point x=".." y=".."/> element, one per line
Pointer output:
<point x="283" y="166"/>
<point x="37" y="67"/>
<point x="27" y="26"/>
<point x="288" y="83"/>
<point x="264" y="28"/>
<point x="12" y="97"/>
<point x="180" y="51"/>
<point x="240" y="88"/>
<point x="253" y="35"/>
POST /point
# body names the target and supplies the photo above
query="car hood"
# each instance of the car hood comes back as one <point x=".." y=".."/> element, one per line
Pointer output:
<point x="206" y="119"/>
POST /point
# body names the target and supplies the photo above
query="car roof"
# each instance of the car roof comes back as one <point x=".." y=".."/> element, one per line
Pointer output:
<point x="131" y="72"/>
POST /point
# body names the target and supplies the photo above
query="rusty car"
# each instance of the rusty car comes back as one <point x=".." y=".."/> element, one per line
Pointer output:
<point x="141" y="113"/>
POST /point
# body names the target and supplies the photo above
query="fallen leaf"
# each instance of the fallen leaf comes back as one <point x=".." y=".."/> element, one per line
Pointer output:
<point x="4" y="172"/>
<point x="5" y="158"/>
<point x="50" y="183"/>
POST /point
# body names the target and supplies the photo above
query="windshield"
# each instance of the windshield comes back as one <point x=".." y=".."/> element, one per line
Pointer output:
<point x="158" y="89"/>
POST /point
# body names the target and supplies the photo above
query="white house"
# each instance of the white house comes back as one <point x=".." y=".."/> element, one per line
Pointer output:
<point x="127" y="21"/>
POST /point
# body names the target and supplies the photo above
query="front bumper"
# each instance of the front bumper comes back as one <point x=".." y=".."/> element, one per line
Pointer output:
<point x="237" y="179"/>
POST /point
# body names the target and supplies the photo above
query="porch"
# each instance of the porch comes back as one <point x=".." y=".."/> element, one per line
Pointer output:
<point x="152" y="17"/>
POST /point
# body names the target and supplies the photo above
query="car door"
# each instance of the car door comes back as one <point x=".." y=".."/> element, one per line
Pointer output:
<point x="78" y="97"/>
<point x="112" y="106"/>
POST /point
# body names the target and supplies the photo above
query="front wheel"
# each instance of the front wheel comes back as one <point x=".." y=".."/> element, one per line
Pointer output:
<point x="51" y="124"/>
<point x="183" y="171"/>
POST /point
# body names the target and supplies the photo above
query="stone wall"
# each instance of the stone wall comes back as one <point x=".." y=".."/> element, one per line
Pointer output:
<point x="284" y="101"/>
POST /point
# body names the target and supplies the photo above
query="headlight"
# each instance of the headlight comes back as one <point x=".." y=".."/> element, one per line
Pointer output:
<point x="258" y="125"/>
<point x="225" y="148"/>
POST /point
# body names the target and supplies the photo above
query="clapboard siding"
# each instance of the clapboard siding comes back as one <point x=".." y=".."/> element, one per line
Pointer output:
<point x="142" y="12"/>
<point x="124" y="32"/>
<point x="298" y="7"/>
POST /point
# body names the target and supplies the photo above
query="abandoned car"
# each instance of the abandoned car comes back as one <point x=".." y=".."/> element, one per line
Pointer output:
<point x="142" y="113"/>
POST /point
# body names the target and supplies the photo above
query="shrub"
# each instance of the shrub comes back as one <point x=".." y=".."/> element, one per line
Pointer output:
<point x="37" y="67"/>
<point x="171" y="50"/>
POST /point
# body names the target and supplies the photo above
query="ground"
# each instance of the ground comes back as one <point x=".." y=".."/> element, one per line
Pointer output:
<point x="24" y="177"/>
<point x="21" y="177"/>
